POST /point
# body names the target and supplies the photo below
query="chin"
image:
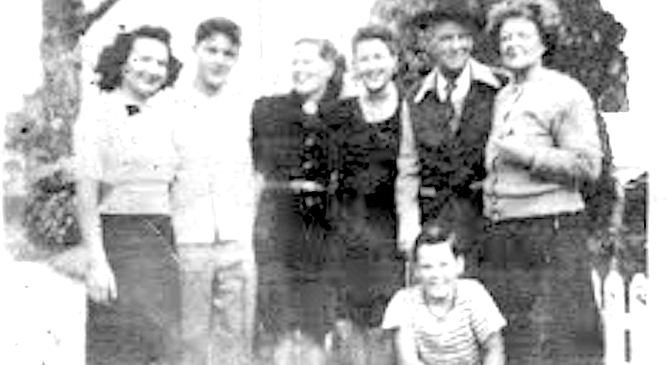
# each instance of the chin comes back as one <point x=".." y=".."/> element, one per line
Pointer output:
<point x="146" y="93"/>
<point x="304" y="90"/>
<point x="455" y="65"/>
<point x="375" y="87"/>
<point x="437" y="292"/>
<point x="515" y="63"/>
<point x="216" y="83"/>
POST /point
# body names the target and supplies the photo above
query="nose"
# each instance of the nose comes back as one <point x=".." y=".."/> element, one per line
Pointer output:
<point x="459" y="43"/>
<point x="430" y="273"/>
<point x="509" y="40"/>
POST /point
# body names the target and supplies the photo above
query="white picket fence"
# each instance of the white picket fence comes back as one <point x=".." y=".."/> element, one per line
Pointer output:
<point x="623" y="309"/>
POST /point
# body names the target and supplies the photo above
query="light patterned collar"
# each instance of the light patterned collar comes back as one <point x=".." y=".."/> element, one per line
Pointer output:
<point x="474" y="70"/>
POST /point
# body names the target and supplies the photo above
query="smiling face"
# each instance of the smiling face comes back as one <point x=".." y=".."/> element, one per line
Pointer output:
<point x="216" y="56"/>
<point x="146" y="69"/>
<point x="450" y="44"/>
<point x="521" y="45"/>
<point x="374" y="64"/>
<point x="438" y="268"/>
<point x="310" y="71"/>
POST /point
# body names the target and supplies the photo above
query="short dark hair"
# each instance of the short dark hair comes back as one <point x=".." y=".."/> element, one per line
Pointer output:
<point x="545" y="14"/>
<point x="328" y="52"/>
<point x="379" y="32"/>
<point x="433" y="234"/>
<point x="219" y="25"/>
<point x="113" y="57"/>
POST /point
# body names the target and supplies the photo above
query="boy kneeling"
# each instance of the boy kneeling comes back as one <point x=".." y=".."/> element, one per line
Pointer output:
<point x="444" y="319"/>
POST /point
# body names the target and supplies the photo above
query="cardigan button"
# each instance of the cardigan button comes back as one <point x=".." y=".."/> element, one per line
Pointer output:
<point x="495" y="216"/>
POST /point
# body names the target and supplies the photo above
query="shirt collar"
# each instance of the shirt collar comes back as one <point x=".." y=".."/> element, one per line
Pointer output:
<point x="473" y="71"/>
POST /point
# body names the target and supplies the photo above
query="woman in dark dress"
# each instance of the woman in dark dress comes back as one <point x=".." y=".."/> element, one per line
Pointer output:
<point x="291" y="147"/>
<point x="368" y="149"/>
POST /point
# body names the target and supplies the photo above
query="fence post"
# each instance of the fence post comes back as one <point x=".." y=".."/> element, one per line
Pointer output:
<point x="614" y="310"/>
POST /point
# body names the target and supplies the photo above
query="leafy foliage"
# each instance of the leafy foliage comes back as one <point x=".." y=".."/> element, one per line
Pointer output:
<point x="588" y="47"/>
<point x="42" y="132"/>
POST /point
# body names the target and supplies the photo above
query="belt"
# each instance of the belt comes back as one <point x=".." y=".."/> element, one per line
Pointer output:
<point x="276" y="185"/>
<point x="556" y="220"/>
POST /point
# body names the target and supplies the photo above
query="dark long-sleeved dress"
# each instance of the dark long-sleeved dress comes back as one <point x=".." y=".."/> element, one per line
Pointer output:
<point x="366" y="225"/>
<point x="292" y="247"/>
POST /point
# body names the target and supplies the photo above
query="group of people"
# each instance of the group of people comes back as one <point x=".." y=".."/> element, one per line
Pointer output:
<point x="474" y="171"/>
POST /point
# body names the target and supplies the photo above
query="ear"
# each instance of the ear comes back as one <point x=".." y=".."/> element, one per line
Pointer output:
<point x="332" y="66"/>
<point x="460" y="265"/>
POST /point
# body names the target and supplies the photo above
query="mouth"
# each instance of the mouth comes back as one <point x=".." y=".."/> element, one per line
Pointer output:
<point x="374" y="75"/>
<point x="510" y="53"/>
<point x="152" y="81"/>
<point x="218" y="71"/>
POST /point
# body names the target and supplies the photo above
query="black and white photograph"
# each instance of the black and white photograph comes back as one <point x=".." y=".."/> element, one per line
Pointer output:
<point x="321" y="182"/>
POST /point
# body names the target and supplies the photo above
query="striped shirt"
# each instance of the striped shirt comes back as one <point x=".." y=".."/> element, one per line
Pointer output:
<point x="454" y="339"/>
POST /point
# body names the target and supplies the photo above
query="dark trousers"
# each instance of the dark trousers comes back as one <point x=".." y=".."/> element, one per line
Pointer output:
<point x="142" y="326"/>
<point x="538" y="273"/>
<point x="456" y="213"/>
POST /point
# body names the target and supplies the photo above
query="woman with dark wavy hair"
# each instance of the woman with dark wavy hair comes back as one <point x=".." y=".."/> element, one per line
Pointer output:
<point x="543" y="147"/>
<point x="292" y="151"/>
<point x="368" y="144"/>
<point x="126" y="164"/>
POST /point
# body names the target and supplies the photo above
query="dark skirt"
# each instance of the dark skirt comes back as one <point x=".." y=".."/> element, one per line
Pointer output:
<point x="371" y="266"/>
<point x="294" y="255"/>
<point x="142" y="325"/>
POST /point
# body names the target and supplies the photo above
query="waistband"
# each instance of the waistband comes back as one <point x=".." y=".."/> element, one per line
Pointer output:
<point x="561" y="220"/>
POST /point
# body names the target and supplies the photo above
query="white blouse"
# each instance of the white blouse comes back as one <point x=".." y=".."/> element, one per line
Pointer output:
<point x="134" y="157"/>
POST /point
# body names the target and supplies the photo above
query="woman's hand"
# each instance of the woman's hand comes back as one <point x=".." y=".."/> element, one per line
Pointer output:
<point x="306" y="186"/>
<point x="100" y="281"/>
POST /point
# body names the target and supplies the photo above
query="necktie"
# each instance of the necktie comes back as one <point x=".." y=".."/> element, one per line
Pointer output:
<point x="450" y="110"/>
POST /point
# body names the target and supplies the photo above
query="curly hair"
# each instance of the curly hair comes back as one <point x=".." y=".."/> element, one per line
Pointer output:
<point x="545" y="14"/>
<point x="219" y="25"/>
<point x="113" y="57"/>
<point x="329" y="53"/>
<point x="380" y="32"/>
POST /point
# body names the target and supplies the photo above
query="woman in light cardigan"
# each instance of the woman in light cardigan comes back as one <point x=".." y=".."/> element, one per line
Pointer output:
<point x="543" y="146"/>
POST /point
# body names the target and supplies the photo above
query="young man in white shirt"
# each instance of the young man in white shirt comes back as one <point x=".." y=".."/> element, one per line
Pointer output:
<point x="214" y="204"/>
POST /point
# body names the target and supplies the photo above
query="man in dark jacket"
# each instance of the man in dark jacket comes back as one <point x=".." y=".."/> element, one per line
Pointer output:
<point x="445" y="124"/>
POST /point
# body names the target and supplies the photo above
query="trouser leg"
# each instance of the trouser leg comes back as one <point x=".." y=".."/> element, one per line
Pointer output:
<point x="197" y="273"/>
<point x="219" y="289"/>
